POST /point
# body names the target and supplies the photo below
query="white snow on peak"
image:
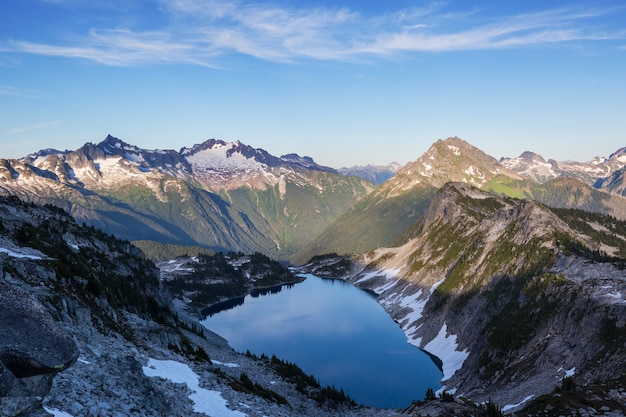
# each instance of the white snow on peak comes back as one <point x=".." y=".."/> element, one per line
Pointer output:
<point x="135" y="157"/>
<point x="216" y="159"/>
<point x="107" y="164"/>
<point x="205" y="401"/>
<point x="454" y="150"/>
<point x="474" y="173"/>
<point x="427" y="170"/>
<point x="446" y="348"/>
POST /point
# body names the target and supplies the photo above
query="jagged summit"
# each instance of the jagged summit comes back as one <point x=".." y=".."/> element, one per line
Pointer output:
<point x="225" y="195"/>
<point x="620" y="154"/>
<point x="232" y="150"/>
<point x="534" y="167"/>
<point x="531" y="156"/>
<point x="216" y="163"/>
<point x="451" y="159"/>
<point x="305" y="162"/>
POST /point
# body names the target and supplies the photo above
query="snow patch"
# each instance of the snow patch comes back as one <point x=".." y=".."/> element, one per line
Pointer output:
<point x="14" y="254"/>
<point x="570" y="372"/>
<point x="511" y="406"/>
<point x="616" y="296"/>
<point x="205" y="401"/>
<point x="56" y="413"/>
<point x="445" y="348"/>
<point x="226" y="364"/>
<point x="454" y="150"/>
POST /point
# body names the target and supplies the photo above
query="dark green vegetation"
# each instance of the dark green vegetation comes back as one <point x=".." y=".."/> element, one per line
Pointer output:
<point x="569" y="398"/>
<point x="373" y="222"/>
<point x="563" y="192"/>
<point x="519" y="288"/>
<point x="157" y="251"/>
<point x="274" y="216"/>
<point x="245" y="384"/>
<point x="602" y="229"/>
<point x="306" y="384"/>
<point x="225" y="276"/>
<point x="93" y="269"/>
<point x="520" y="306"/>
<point x="94" y="280"/>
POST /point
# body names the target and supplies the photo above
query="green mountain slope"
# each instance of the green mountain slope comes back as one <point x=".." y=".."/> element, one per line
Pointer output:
<point x="217" y="195"/>
<point x="511" y="295"/>
<point x="387" y="212"/>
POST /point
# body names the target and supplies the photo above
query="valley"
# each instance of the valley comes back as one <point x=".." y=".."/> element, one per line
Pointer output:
<point x="509" y="273"/>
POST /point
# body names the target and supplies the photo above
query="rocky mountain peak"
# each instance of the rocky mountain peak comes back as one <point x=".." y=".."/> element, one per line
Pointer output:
<point x="620" y="155"/>
<point x="593" y="173"/>
<point x="531" y="157"/>
<point x="305" y="162"/>
<point x="449" y="160"/>
<point x="231" y="150"/>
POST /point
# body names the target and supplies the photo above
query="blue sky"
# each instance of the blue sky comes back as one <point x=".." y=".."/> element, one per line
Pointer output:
<point x="345" y="82"/>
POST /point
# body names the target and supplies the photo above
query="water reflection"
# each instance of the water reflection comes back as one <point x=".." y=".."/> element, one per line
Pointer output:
<point x="336" y="332"/>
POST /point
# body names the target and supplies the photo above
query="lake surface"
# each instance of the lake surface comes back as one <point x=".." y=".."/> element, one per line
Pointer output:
<point x="336" y="332"/>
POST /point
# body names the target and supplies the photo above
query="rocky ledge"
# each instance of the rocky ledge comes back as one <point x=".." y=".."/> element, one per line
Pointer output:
<point x="33" y="348"/>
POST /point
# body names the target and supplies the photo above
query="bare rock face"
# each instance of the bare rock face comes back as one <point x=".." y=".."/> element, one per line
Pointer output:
<point x="32" y="350"/>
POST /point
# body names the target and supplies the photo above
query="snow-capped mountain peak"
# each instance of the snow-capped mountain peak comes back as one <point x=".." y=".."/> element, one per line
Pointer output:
<point x="534" y="167"/>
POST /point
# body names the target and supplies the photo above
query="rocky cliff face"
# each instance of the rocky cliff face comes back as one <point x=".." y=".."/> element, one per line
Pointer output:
<point x="511" y="296"/>
<point x="33" y="348"/>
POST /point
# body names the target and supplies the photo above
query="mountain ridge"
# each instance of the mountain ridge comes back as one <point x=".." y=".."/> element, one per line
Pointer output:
<point x="511" y="295"/>
<point x="391" y="209"/>
<point x="220" y="195"/>
<point x="236" y="197"/>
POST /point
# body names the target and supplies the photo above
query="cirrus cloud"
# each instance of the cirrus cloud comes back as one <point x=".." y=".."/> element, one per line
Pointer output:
<point x="200" y="31"/>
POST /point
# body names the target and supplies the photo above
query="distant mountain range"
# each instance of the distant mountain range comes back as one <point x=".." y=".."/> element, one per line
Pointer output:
<point x="373" y="173"/>
<point x="226" y="196"/>
<point x="380" y="218"/>
<point x="231" y="196"/>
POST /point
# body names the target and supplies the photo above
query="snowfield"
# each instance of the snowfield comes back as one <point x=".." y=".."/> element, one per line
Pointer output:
<point x="205" y="401"/>
<point x="445" y="347"/>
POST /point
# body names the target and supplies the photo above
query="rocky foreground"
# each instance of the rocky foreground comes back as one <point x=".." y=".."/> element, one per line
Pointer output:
<point x="87" y="330"/>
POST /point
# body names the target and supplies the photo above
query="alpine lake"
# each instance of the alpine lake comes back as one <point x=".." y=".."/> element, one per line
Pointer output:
<point x="334" y="331"/>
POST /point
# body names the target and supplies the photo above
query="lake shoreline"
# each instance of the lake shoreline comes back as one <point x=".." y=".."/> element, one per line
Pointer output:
<point x="254" y="291"/>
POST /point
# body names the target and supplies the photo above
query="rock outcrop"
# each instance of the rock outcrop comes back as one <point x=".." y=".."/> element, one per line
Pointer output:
<point x="33" y="348"/>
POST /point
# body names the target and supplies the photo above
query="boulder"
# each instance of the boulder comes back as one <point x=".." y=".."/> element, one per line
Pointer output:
<point x="33" y="348"/>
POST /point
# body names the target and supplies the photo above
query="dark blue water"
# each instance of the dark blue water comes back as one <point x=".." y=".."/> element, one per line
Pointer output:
<point x="336" y="332"/>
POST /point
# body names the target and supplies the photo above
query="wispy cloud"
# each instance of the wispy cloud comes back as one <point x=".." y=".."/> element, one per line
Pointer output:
<point x="37" y="126"/>
<point x="200" y="31"/>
